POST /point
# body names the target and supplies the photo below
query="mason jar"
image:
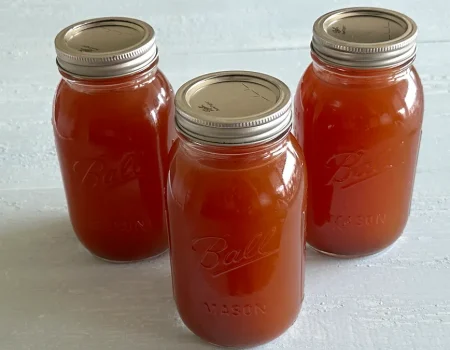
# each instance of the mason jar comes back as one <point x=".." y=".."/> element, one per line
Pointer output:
<point x="236" y="204"/>
<point x="113" y="126"/>
<point x="359" y="109"/>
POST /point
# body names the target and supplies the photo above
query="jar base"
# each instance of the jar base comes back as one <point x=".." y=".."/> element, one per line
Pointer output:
<point x="247" y="345"/>
<point x="118" y="262"/>
<point x="255" y="344"/>
<point x="352" y="256"/>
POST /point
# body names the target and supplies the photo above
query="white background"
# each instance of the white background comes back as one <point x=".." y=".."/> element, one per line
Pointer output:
<point x="54" y="295"/>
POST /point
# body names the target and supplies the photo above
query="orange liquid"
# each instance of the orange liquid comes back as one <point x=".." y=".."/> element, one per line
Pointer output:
<point x="112" y="139"/>
<point x="360" y="131"/>
<point x="237" y="239"/>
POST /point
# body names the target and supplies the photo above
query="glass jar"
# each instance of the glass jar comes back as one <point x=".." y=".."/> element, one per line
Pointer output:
<point x="113" y="125"/>
<point x="359" y="109"/>
<point x="236" y="204"/>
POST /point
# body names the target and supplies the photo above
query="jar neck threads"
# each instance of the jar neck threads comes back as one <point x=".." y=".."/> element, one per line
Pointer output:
<point x="348" y="75"/>
<point x="133" y="81"/>
<point x="260" y="151"/>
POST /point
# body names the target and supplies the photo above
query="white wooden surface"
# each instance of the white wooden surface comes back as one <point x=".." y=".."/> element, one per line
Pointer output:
<point x="53" y="295"/>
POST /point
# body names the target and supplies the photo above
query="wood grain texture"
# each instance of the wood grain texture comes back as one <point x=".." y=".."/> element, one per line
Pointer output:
<point x="54" y="295"/>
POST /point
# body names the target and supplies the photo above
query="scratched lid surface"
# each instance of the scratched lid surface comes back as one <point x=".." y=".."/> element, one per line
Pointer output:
<point x="233" y="108"/>
<point x="364" y="37"/>
<point x="106" y="47"/>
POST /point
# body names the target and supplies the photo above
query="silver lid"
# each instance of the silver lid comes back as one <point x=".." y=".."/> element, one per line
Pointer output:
<point x="364" y="37"/>
<point x="106" y="47"/>
<point x="233" y="108"/>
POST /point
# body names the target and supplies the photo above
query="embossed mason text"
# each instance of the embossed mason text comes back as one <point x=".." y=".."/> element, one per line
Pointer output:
<point x="255" y="309"/>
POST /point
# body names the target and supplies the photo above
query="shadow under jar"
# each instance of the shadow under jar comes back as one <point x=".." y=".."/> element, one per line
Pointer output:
<point x="236" y="204"/>
<point x="113" y="125"/>
<point x="359" y="109"/>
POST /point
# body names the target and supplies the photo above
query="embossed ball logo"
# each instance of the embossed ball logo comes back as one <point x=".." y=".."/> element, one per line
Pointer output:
<point x="353" y="168"/>
<point x="219" y="256"/>
<point x="98" y="173"/>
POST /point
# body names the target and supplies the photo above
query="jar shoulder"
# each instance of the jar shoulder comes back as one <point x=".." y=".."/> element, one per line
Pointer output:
<point x="359" y="103"/>
<point x="252" y="183"/>
<point x="78" y="106"/>
<point x="149" y="93"/>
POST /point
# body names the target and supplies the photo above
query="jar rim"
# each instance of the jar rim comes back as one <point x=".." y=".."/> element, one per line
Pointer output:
<point x="364" y="38"/>
<point x="233" y="108"/>
<point x="105" y="47"/>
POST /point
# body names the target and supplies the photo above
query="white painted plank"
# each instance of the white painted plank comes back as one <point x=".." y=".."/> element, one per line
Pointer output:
<point x="202" y="25"/>
<point x="56" y="296"/>
<point x="27" y="153"/>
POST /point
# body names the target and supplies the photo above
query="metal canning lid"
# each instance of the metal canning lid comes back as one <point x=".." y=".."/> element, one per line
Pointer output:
<point x="233" y="108"/>
<point x="364" y="37"/>
<point x="106" y="47"/>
